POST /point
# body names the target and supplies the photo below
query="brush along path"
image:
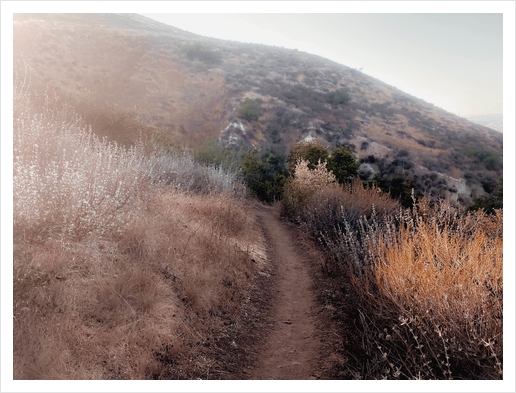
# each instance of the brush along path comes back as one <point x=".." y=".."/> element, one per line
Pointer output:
<point x="292" y="349"/>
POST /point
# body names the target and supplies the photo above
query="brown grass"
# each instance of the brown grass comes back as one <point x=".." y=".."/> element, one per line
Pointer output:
<point x="428" y="282"/>
<point x="103" y="309"/>
<point x="116" y="273"/>
<point x="444" y="285"/>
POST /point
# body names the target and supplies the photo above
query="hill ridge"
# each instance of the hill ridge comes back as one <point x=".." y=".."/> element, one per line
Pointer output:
<point x="191" y="87"/>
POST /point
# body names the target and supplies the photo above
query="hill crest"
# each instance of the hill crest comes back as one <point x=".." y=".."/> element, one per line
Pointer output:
<point x="191" y="88"/>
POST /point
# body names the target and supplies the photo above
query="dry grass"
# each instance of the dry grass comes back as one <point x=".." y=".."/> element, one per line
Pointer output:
<point x="102" y="309"/>
<point x="130" y="70"/>
<point x="338" y="217"/>
<point x="118" y="274"/>
<point x="428" y="282"/>
<point x="304" y="183"/>
<point x="437" y="311"/>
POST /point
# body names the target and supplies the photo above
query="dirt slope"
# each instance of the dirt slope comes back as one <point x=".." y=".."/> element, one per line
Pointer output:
<point x="291" y="350"/>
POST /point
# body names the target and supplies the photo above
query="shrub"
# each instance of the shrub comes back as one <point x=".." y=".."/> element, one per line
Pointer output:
<point x="337" y="216"/>
<point x="305" y="182"/>
<point x="198" y="51"/>
<point x="401" y="188"/>
<point x="67" y="182"/>
<point x="125" y="261"/>
<point x="311" y="152"/>
<point x="489" y="203"/>
<point x="428" y="282"/>
<point x="339" y="96"/>
<point x="213" y="154"/>
<point x="403" y="153"/>
<point x="249" y="110"/>
<point x="343" y="164"/>
<point x="181" y="171"/>
<point x="434" y="307"/>
<point x="264" y="176"/>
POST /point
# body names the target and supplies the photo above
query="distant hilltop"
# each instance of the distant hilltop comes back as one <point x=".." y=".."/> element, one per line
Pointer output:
<point x="189" y="90"/>
<point x="495" y="122"/>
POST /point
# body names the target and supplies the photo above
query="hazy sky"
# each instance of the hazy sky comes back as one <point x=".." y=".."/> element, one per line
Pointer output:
<point x="454" y="61"/>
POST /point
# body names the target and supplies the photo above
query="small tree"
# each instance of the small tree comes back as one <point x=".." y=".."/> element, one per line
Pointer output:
<point x="343" y="164"/>
<point x="312" y="152"/>
<point x="249" y="110"/>
<point x="265" y="175"/>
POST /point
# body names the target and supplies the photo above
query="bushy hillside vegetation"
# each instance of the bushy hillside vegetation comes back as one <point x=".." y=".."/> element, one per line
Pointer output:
<point x="427" y="282"/>
<point x="129" y="262"/>
<point x="194" y="89"/>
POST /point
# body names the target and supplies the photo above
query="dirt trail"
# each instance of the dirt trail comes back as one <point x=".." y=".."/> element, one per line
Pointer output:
<point x="292" y="349"/>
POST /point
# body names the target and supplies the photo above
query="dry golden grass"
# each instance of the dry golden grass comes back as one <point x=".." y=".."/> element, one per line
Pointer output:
<point x="305" y="183"/>
<point x="433" y="302"/>
<point x="442" y="269"/>
<point x="105" y="308"/>
<point x="428" y="282"/>
<point x="118" y="273"/>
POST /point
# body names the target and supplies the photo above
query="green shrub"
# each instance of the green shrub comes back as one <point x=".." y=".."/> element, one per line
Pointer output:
<point x="312" y="152"/>
<point x="265" y="176"/>
<point x="343" y="164"/>
<point x="339" y="96"/>
<point x="249" y="110"/>
<point x="490" y="202"/>
<point x="198" y="51"/>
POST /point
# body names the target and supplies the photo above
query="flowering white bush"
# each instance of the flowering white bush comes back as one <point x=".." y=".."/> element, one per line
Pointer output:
<point x="68" y="182"/>
<point x="308" y="180"/>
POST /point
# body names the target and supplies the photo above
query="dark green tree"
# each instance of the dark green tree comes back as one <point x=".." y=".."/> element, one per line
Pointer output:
<point x="308" y="151"/>
<point x="339" y="96"/>
<point x="400" y="188"/>
<point x="489" y="202"/>
<point x="249" y="110"/>
<point x="343" y="164"/>
<point x="265" y="175"/>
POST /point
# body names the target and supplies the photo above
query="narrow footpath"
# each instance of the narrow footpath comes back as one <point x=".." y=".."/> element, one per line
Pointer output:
<point x="292" y="349"/>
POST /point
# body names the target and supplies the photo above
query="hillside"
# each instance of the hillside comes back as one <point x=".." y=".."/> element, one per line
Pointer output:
<point x="187" y="89"/>
<point x="141" y="249"/>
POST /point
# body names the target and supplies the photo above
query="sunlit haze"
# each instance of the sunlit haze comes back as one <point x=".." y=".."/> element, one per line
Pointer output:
<point x="453" y="61"/>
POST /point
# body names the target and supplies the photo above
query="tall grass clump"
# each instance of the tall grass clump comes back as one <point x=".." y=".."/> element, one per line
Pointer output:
<point x="183" y="172"/>
<point x="304" y="184"/>
<point x="428" y="281"/>
<point x="435" y="304"/>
